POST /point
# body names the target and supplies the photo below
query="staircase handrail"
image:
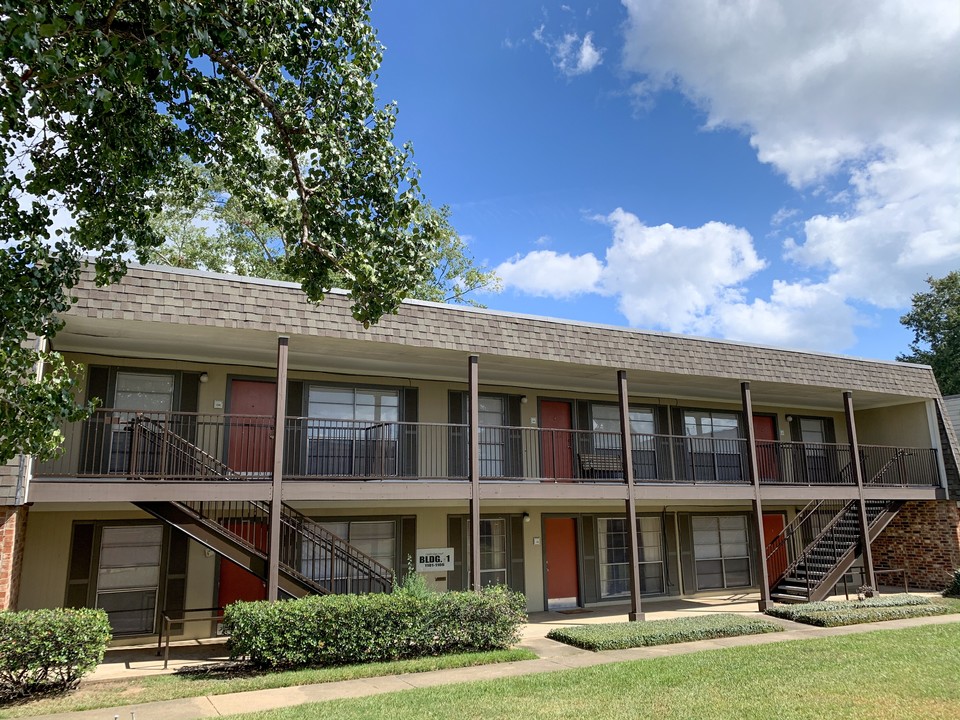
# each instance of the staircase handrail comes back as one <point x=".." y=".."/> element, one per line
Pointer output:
<point x="801" y="556"/>
<point x="179" y="444"/>
<point x="303" y="526"/>
<point x="900" y="453"/>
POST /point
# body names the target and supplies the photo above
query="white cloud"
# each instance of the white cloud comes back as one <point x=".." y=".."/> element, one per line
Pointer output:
<point x="571" y="54"/>
<point x="547" y="273"/>
<point x="860" y="90"/>
<point x="671" y="277"/>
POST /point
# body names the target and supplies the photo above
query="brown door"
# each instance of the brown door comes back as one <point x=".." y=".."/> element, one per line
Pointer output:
<point x="250" y="427"/>
<point x="556" y="424"/>
<point x="773" y="524"/>
<point x="560" y="541"/>
<point x="765" y="428"/>
<point x="236" y="583"/>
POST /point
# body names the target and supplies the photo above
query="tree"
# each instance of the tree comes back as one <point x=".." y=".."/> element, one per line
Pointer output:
<point x="216" y="232"/>
<point x="100" y="102"/>
<point x="935" y="321"/>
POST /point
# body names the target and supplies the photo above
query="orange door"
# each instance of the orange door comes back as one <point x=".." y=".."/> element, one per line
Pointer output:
<point x="560" y="541"/>
<point x="556" y="423"/>
<point x="773" y="524"/>
<point x="236" y="583"/>
<point x="251" y="426"/>
<point x="765" y="428"/>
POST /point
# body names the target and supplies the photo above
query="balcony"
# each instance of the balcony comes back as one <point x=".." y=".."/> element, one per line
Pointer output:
<point x="192" y="447"/>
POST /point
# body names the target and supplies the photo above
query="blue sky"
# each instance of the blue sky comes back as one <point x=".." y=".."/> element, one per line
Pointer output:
<point x="780" y="172"/>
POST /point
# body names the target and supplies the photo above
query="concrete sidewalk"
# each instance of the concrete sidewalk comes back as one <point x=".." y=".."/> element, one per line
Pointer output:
<point x="553" y="657"/>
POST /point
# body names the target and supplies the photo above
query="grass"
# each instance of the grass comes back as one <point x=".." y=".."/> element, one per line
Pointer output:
<point x="853" y="612"/>
<point x="618" y="636"/>
<point x="883" y="675"/>
<point x="170" y="687"/>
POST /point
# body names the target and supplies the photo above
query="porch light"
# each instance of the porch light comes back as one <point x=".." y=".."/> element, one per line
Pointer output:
<point x="204" y="377"/>
<point x="526" y="517"/>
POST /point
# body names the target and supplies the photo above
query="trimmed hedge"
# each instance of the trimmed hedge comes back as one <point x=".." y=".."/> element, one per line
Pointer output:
<point x="619" y="636"/>
<point x="341" y="629"/>
<point x="853" y="612"/>
<point x="49" y="650"/>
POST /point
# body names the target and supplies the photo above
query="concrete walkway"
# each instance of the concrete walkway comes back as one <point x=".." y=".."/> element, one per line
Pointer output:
<point x="553" y="657"/>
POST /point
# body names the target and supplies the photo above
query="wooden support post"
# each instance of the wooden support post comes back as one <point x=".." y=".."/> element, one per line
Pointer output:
<point x="869" y="574"/>
<point x="276" y="497"/>
<point x="473" y="382"/>
<point x="754" y="471"/>
<point x="626" y="443"/>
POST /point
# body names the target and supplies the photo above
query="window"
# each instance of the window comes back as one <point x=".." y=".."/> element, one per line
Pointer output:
<point x="493" y="552"/>
<point x="721" y="551"/>
<point x="376" y="538"/>
<point x="614" y="554"/>
<point x="137" y="392"/>
<point x="128" y="577"/>
<point x="492" y="414"/>
<point x="352" y="431"/>
<point x="605" y="421"/>
<point x="819" y="456"/>
<point x="713" y="449"/>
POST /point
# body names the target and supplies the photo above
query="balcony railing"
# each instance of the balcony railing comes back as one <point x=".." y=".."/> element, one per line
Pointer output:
<point x="191" y="447"/>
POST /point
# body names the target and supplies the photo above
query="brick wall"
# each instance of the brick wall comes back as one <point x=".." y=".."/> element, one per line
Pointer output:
<point x="13" y="531"/>
<point x="924" y="538"/>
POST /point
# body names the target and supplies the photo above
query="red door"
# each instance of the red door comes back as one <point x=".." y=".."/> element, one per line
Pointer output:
<point x="560" y="542"/>
<point x="773" y="524"/>
<point x="556" y="424"/>
<point x="250" y="447"/>
<point x="236" y="583"/>
<point x="765" y="429"/>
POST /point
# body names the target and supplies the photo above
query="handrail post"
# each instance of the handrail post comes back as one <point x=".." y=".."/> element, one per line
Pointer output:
<point x="753" y="470"/>
<point x="473" y="384"/>
<point x="858" y="476"/>
<point x="273" y="551"/>
<point x="635" y="614"/>
<point x="134" y="444"/>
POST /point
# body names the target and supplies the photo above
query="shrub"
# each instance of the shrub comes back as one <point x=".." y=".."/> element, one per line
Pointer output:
<point x="852" y="612"/>
<point x="619" y="636"/>
<point x="341" y="629"/>
<point x="49" y="650"/>
<point x="953" y="589"/>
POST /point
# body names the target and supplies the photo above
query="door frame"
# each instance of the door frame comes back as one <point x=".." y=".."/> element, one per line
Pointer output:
<point x="786" y="553"/>
<point x="228" y="409"/>
<point x="574" y="438"/>
<point x="578" y="547"/>
<point x="776" y="438"/>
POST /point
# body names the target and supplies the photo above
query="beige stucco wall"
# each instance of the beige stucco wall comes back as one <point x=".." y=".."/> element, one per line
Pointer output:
<point x="899" y="425"/>
<point x="47" y="554"/>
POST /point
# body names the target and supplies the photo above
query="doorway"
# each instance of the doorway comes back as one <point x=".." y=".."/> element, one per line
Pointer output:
<point x="250" y="426"/>
<point x="765" y="430"/>
<point x="560" y="566"/>
<point x="556" y="433"/>
<point x="773" y="525"/>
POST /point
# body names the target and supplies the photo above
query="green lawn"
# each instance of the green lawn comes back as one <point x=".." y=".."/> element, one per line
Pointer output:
<point x="881" y="675"/>
<point x="169" y="687"/>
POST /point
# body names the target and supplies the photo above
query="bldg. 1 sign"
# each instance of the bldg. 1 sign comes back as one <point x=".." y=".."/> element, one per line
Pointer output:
<point x="435" y="560"/>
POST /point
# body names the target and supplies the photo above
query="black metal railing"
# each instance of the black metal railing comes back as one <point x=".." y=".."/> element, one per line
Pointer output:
<point x="192" y="447"/>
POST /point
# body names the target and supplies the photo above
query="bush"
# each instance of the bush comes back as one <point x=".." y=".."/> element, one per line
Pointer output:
<point x="953" y="589"/>
<point x="619" y="636"/>
<point x="853" y="612"/>
<point x="49" y="650"/>
<point x="341" y="629"/>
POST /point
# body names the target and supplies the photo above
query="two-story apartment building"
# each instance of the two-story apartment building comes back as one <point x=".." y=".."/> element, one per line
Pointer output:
<point x="487" y="446"/>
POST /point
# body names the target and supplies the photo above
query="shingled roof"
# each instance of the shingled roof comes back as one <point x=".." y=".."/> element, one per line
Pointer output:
<point x="167" y="295"/>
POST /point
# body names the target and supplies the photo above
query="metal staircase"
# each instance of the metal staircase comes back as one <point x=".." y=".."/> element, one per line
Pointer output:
<point x="312" y="559"/>
<point x="823" y="541"/>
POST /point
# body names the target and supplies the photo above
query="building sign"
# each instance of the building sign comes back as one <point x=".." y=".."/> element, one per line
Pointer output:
<point x="435" y="559"/>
